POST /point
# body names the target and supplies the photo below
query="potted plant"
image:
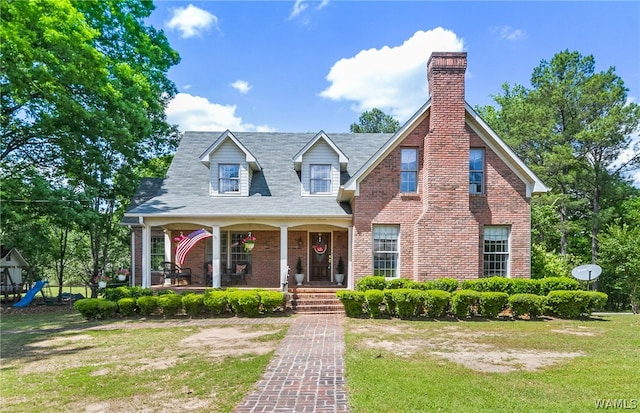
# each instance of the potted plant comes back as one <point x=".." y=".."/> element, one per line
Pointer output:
<point x="299" y="272"/>
<point x="103" y="280"/>
<point x="340" y="272"/>
<point x="249" y="242"/>
<point x="122" y="274"/>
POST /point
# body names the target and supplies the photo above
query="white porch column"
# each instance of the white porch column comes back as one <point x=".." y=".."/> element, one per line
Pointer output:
<point x="215" y="256"/>
<point x="350" y="283"/>
<point x="167" y="245"/>
<point x="146" y="256"/>
<point x="284" y="268"/>
<point x="132" y="277"/>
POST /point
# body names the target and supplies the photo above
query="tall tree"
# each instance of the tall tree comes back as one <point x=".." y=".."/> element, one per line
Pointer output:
<point x="571" y="126"/>
<point x="375" y="121"/>
<point x="83" y="90"/>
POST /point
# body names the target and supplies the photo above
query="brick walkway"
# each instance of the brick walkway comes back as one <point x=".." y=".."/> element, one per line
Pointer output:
<point x="307" y="371"/>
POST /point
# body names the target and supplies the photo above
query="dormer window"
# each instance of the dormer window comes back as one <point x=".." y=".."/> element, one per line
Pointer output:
<point x="320" y="179"/>
<point x="229" y="178"/>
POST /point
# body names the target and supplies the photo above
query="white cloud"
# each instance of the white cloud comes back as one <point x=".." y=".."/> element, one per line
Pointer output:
<point x="301" y="5"/>
<point x="241" y="86"/>
<point x="191" y="21"/>
<point x="392" y="79"/>
<point x="509" y="33"/>
<point x="195" y="113"/>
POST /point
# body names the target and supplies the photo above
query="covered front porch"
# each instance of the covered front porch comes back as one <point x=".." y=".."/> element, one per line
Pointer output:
<point x="221" y="259"/>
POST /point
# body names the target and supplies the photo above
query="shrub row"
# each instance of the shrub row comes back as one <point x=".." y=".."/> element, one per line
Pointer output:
<point x="510" y="286"/>
<point x="214" y="302"/>
<point x="409" y="303"/>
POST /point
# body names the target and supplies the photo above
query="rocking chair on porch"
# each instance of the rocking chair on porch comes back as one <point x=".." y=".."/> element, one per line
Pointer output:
<point x="173" y="271"/>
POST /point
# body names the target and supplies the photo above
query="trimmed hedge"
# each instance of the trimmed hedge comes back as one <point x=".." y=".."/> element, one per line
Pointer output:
<point x="271" y="301"/>
<point x="127" y="306"/>
<point x="464" y="303"/>
<point x="216" y="301"/>
<point x="95" y="308"/>
<point x="245" y="302"/>
<point x="409" y="303"/>
<point x="374" y="300"/>
<point x="193" y="304"/>
<point x="575" y="304"/>
<point x="436" y="302"/>
<point x="531" y="304"/>
<point x="171" y="304"/>
<point x="371" y="283"/>
<point x="492" y="303"/>
<point x="445" y="284"/>
<point x="147" y="304"/>
<point x="353" y="302"/>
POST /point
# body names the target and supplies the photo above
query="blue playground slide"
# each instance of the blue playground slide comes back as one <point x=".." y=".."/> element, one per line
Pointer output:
<point x="26" y="300"/>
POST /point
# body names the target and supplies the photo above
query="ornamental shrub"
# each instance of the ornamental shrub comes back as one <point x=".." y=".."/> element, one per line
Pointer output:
<point x="444" y="284"/>
<point x="245" y="302"/>
<point x="95" y="308"/>
<point x="271" y="300"/>
<point x="171" y="304"/>
<point x="193" y="304"/>
<point x="389" y="303"/>
<point x="216" y="301"/>
<point x="525" y="286"/>
<point x="371" y="283"/>
<point x="115" y="293"/>
<point x="575" y="304"/>
<point x="409" y="303"/>
<point x="398" y="283"/>
<point x="531" y="304"/>
<point x="147" y="304"/>
<point x="436" y="302"/>
<point x="374" y="299"/>
<point x="127" y="306"/>
<point x="353" y="302"/>
<point x="464" y="303"/>
<point x="558" y="284"/>
<point x="492" y="303"/>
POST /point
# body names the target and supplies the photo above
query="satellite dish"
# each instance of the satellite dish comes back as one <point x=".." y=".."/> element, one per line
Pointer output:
<point x="587" y="272"/>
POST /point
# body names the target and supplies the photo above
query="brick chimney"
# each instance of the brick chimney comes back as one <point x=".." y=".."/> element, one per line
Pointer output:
<point x="445" y="73"/>
<point x="446" y="232"/>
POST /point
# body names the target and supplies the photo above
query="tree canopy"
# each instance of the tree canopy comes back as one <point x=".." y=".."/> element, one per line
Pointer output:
<point x="375" y="121"/>
<point x="84" y="88"/>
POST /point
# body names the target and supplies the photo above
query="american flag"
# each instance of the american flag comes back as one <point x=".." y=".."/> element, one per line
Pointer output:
<point x="188" y="242"/>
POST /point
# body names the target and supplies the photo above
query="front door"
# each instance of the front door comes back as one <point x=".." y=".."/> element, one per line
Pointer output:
<point x="320" y="253"/>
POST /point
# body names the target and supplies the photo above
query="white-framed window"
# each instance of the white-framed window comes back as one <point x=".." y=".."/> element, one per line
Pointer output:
<point x="320" y="180"/>
<point x="409" y="170"/>
<point x="228" y="178"/>
<point x="476" y="171"/>
<point x="385" y="250"/>
<point x="157" y="253"/>
<point x="496" y="251"/>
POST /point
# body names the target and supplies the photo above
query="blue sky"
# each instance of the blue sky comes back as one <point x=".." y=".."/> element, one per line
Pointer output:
<point x="306" y="66"/>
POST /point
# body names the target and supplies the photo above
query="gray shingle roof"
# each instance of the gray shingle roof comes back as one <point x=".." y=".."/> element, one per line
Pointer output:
<point x="275" y="191"/>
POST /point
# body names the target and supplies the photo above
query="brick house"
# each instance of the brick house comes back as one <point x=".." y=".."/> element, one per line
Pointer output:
<point x="443" y="196"/>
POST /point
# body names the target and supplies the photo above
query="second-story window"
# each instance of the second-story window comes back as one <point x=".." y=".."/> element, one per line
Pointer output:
<point x="229" y="178"/>
<point x="409" y="170"/>
<point x="320" y="179"/>
<point x="476" y="171"/>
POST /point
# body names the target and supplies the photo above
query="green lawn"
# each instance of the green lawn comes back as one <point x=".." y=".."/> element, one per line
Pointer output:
<point x="492" y="366"/>
<point x="60" y="362"/>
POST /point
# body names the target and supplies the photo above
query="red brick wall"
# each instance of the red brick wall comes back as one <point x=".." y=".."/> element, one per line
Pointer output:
<point x="441" y="228"/>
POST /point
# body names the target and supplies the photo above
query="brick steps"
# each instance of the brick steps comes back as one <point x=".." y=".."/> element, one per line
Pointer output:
<point x="315" y="301"/>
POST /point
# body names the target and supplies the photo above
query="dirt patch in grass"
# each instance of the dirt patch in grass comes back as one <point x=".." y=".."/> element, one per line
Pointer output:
<point x="465" y="348"/>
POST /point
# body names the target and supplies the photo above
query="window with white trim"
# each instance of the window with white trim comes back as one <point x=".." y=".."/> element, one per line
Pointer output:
<point x="409" y="170"/>
<point x="496" y="251"/>
<point x="157" y="253"/>
<point x="320" y="179"/>
<point x="385" y="250"/>
<point x="476" y="171"/>
<point x="228" y="178"/>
